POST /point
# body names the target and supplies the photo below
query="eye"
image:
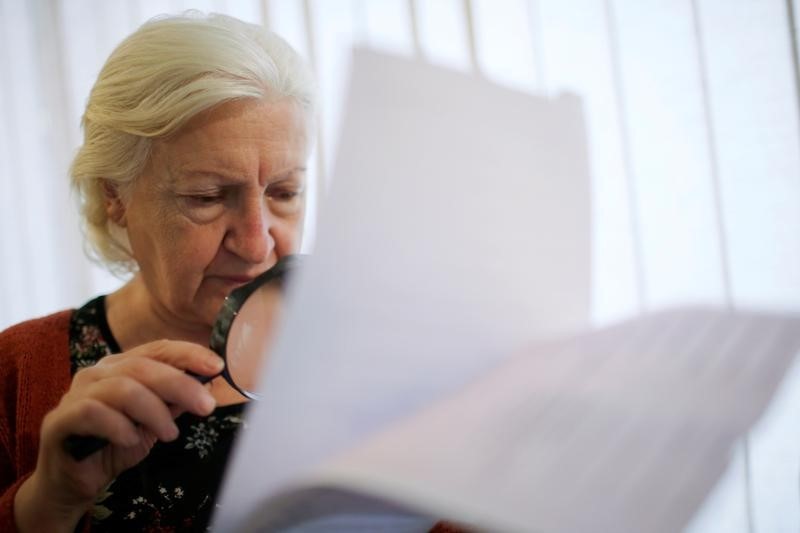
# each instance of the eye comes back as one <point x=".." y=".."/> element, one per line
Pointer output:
<point x="202" y="206"/>
<point x="283" y="192"/>
<point x="285" y="198"/>
<point x="205" y="199"/>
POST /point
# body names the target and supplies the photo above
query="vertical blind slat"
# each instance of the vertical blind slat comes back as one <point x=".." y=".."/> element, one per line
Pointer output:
<point x="388" y="25"/>
<point x="443" y="34"/>
<point x="318" y="167"/>
<point x="711" y="140"/>
<point x="792" y="17"/>
<point x="755" y="117"/>
<point x="500" y="26"/>
<point x="576" y="57"/>
<point x="59" y="139"/>
<point x="413" y="20"/>
<point x="671" y="162"/>
<point x="469" y="29"/>
<point x="537" y="44"/>
<point x="11" y="282"/>
<point x="630" y="178"/>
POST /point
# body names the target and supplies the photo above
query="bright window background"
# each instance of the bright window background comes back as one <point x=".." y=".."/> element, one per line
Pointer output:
<point x="692" y="110"/>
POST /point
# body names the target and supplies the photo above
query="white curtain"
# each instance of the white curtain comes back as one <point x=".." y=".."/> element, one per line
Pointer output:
<point x="692" y="109"/>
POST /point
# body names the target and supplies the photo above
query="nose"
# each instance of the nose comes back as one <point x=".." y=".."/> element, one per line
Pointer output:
<point x="249" y="233"/>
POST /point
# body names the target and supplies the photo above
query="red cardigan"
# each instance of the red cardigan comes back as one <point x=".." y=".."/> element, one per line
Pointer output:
<point x="34" y="375"/>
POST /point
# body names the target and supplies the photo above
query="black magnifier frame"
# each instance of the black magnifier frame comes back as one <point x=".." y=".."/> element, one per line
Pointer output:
<point x="230" y="310"/>
<point x="82" y="446"/>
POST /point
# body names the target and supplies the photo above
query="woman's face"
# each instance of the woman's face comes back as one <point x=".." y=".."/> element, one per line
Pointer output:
<point x="218" y="204"/>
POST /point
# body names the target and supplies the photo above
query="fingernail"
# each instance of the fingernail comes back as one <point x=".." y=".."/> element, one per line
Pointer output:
<point x="208" y="403"/>
<point x="173" y="432"/>
<point x="215" y="363"/>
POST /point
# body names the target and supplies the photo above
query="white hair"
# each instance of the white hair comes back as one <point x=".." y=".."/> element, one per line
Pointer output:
<point x="165" y="73"/>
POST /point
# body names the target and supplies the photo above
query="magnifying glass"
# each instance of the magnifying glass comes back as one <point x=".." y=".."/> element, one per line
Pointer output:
<point x="245" y="329"/>
<point x="243" y="334"/>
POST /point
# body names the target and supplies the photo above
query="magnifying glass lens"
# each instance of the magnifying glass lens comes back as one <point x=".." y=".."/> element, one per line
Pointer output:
<point x="252" y="335"/>
<point x="246" y="328"/>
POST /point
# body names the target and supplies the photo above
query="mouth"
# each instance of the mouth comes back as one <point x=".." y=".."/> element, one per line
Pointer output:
<point x="237" y="279"/>
<point x="229" y="283"/>
<point x="232" y="281"/>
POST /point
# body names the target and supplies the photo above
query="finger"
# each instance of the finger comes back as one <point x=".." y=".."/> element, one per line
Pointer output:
<point x="177" y="411"/>
<point x="173" y="386"/>
<point x="184" y="355"/>
<point x="92" y="417"/>
<point x="138" y="402"/>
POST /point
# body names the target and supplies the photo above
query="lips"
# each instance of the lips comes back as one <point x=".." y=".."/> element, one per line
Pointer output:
<point x="237" y="279"/>
<point x="230" y="282"/>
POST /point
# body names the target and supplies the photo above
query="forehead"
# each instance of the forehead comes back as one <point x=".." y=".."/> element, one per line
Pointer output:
<point x="242" y="137"/>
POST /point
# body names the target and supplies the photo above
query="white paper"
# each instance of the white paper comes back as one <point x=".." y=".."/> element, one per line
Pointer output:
<point x="773" y="442"/>
<point x="456" y="229"/>
<point x="623" y="430"/>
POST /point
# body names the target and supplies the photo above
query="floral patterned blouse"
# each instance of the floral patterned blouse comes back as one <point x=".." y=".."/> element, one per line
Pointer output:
<point x="174" y="488"/>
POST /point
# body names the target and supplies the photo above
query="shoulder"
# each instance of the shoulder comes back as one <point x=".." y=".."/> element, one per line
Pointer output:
<point x="40" y="345"/>
<point x="34" y="373"/>
<point x="46" y="333"/>
<point x="34" y="366"/>
<point x="35" y="349"/>
<point x="36" y="325"/>
<point x="34" y="361"/>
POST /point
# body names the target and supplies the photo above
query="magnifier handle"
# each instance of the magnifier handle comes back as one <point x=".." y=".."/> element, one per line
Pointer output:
<point x="82" y="446"/>
<point x="200" y="378"/>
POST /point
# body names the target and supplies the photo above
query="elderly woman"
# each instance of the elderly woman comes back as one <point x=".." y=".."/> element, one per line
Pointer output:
<point x="192" y="176"/>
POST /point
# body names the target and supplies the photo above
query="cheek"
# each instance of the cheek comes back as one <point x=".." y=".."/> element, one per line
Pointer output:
<point x="288" y="236"/>
<point x="189" y="250"/>
<point x="200" y="245"/>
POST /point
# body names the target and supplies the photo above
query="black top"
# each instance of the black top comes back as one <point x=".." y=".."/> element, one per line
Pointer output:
<point x="174" y="488"/>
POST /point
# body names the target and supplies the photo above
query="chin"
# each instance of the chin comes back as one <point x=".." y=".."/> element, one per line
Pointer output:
<point x="208" y="301"/>
<point x="205" y="308"/>
<point x="212" y="310"/>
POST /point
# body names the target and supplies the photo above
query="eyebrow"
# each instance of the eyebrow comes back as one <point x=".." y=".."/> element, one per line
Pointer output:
<point x="290" y="171"/>
<point x="212" y="174"/>
<point x="233" y="177"/>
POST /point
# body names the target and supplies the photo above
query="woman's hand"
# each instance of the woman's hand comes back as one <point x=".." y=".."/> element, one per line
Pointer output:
<point x="130" y="399"/>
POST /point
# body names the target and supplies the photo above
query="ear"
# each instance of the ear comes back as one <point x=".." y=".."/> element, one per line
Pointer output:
<point x="115" y="207"/>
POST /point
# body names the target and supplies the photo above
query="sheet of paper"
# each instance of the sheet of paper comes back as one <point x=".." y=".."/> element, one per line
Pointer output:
<point x="771" y="477"/>
<point x="456" y="228"/>
<point x="623" y="430"/>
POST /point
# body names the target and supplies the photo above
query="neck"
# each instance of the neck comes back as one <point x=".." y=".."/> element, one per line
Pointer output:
<point x="135" y="318"/>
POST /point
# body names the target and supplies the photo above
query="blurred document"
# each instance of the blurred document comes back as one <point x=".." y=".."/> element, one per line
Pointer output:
<point x="435" y="360"/>
<point x="456" y="228"/>
<point x="625" y="429"/>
